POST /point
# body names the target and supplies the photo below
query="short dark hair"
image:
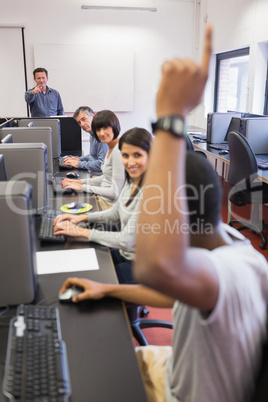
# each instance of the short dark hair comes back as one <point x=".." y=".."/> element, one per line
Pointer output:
<point x="82" y="109"/>
<point x="204" y="191"/>
<point x="40" y="70"/>
<point x="105" y="118"/>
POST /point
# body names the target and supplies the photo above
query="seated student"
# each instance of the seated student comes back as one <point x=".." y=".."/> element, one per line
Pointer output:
<point x="134" y="146"/>
<point x="106" y="128"/>
<point x="97" y="150"/>
<point x="219" y="284"/>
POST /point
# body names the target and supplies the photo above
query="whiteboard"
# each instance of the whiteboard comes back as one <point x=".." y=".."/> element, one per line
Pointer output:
<point x="100" y="77"/>
<point x="12" y="101"/>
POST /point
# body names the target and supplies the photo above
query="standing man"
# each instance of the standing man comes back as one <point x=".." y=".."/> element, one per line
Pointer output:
<point x="98" y="150"/>
<point x="43" y="101"/>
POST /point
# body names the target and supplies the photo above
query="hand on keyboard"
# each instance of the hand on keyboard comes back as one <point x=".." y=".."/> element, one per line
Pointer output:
<point x="73" y="184"/>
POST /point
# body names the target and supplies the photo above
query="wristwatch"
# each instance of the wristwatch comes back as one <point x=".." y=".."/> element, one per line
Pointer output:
<point x="173" y="124"/>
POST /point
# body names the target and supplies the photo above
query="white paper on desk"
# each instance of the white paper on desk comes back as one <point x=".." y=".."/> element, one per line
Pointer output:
<point x="53" y="262"/>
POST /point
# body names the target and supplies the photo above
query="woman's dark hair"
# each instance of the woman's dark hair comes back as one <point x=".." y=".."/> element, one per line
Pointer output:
<point x="105" y="118"/>
<point x="139" y="137"/>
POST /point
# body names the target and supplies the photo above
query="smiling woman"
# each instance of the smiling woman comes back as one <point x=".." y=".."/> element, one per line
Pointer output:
<point x="105" y="128"/>
<point x="134" y="146"/>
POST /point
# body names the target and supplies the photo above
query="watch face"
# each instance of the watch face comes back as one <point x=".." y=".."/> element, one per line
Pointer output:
<point x="178" y="126"/>
<point x="172" y="124"/>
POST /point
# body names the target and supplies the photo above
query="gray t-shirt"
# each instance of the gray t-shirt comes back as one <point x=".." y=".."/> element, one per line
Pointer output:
<point x="216" y="359"/>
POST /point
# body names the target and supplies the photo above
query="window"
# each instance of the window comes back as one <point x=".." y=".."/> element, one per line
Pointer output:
<point x="231" y="81"/>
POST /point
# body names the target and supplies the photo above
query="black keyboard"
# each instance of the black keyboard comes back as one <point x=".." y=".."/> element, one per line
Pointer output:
<point x="36" y="367"/>
<point x="201" y="137"/>
<point x="62" y="165"/>
<point x="57" y="187"/>
<point x="262" y="163"/>
<point x="220" y="147"/>
<point x="46" y="228"/>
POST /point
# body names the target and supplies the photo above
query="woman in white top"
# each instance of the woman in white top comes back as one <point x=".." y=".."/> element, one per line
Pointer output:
<point x="134" y="145"/>
<point x="106" y="128"/>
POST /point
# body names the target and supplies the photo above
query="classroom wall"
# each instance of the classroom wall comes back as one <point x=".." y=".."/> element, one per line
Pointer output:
<point x="237" y="24"/>
<point x="152" y="36"/>
<point x="176" y="29"/>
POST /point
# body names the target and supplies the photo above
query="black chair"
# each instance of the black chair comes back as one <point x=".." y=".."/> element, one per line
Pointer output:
<point x="137" y="323"/>
<point x="245" y="190"/>
<point x="190" y="147"/>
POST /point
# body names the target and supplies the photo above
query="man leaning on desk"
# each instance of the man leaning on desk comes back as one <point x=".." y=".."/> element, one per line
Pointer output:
<point x="98" y="150"/>
<point x="43" y="100"/>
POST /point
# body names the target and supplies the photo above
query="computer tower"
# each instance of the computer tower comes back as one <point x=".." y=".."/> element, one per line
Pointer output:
<point x="17" y="244"/>
<point x="28" y="162"/>
<point x="30" y="135"/>
<point x="54" y="124"/>
<point x="217" y="125"/>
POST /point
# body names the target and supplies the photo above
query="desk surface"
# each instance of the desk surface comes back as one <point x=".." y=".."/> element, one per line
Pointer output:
<point x="204" y="147"/>
<point x="101" y="355"/>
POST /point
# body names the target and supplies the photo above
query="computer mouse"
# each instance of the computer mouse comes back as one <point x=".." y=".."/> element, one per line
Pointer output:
<point x="76" y="205"/>
<point x="72" y="175"/>
<point x="223" y="152"/>
<point x="67" y="296"/>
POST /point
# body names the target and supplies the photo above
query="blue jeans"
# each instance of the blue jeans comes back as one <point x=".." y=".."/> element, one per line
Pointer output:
<point x="122" y="266"/>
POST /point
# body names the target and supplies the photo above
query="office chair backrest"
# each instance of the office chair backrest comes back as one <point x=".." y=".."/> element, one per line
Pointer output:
<point x="243" y="164"/>
<point x="189" y="143"/>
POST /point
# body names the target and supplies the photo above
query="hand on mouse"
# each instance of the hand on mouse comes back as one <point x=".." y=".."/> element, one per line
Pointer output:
<point x="92" y="290"/>
<point x="70" y="183"/>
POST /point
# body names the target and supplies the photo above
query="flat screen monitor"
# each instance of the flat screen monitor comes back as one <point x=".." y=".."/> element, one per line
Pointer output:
<point x="32" y="134"/>
<point x="54" y="124"/>
<point x="29" y="162"/>
<point x="6" y="123"/>
<point x="233" y="126"/>
<point x="8" y="139"/>
<point x="3" y="172"/>
<point x="17" y="244"/>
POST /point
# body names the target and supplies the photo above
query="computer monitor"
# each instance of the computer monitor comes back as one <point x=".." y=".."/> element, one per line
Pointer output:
<point x="54" y="124"/>
<point x="8" y="139"/>
<point x="71" y="136"/>
<point x="6" y="122"/>
<point x="217" y="125"/>
<point x="32" y="134"/>
<point x="3" y="172"/>
<point x="17" y="244"/>
<point x="233" y="126"/>
<point x="29" y="162"/>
